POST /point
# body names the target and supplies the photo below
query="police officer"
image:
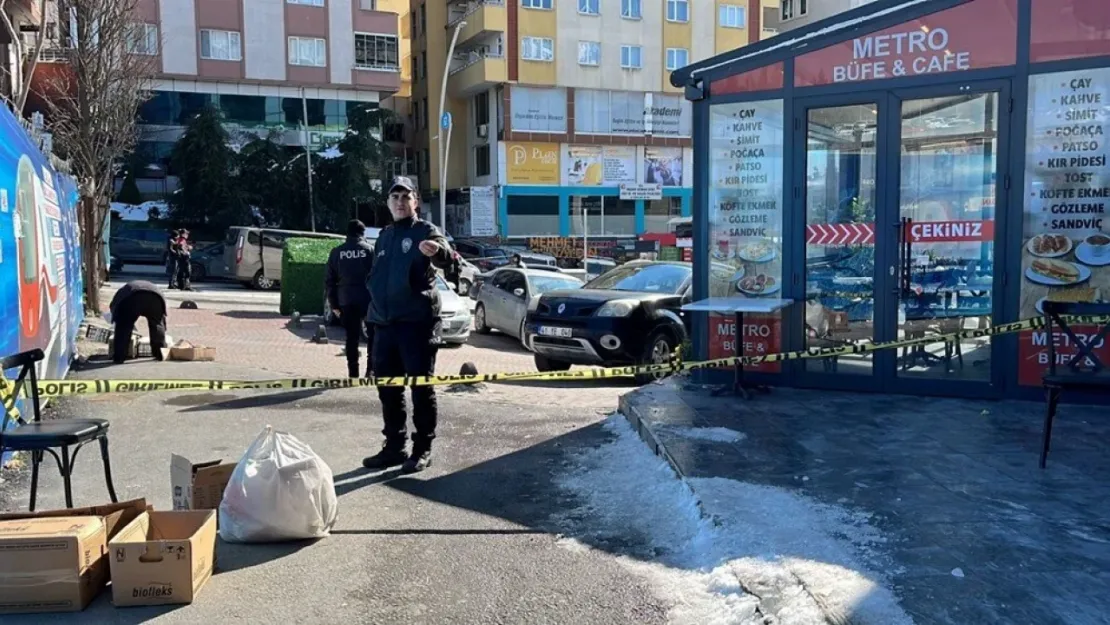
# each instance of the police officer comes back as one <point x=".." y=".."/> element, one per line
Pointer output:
<point x="348" y="267"/>
<point x="404" y="308"/>
<point x="138" y="298"/>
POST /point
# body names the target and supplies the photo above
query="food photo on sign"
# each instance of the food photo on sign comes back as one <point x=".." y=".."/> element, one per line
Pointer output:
<point x="1066" y="243"/>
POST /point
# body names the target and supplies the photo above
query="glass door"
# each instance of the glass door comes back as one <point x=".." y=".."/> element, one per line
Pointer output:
<point x="844" y="176"/>
<point x="948" y="164"/>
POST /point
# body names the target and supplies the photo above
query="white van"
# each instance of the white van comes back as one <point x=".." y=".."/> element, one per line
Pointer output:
<point x="253" y="255"/>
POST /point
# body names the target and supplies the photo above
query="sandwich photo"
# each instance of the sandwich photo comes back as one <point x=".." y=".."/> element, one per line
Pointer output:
<point x="1055" y="270"/>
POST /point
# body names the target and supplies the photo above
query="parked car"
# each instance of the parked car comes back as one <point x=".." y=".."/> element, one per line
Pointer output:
<point x="139" y="246"/>
<point x="484" y="256"/>
<point x="529" y="257"/>
<point x="208" y="262"/>
<point x="467" y="276"/>
<point x="454" y="314"/>
<point x="504" y="299"/>
<point x="629" y="315"/>
<point x="253" y="255"/>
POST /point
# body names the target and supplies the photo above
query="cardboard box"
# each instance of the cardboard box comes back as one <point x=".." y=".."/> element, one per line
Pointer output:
<point x="198" y="486"/>
<point x="56" y="560"/>
<point x="163" y="557"/>
<point x="185" y="350"/>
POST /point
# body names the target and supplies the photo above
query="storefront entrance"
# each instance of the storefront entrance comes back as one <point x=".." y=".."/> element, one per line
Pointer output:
<point x="903" y="227"/>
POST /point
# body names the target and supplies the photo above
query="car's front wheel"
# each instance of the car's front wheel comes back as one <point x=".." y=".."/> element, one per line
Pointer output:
<point x="480" y="325"/>
<point x="657" y="351"/>
<point x="262" y="282"/>
<point x="545" y="364"/>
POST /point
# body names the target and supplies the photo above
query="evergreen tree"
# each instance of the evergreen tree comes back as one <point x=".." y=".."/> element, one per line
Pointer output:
<point x="207" y="168"/>
<point x="345" y="180"/>
<point x="129" y="192"/>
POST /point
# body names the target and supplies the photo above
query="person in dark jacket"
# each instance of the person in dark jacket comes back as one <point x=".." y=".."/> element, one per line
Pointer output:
<point x="348" y="268"/>
<point x="171" y="257"/>
<point x="516" y="261"/>
<point x="135" y="299"/>
<point x="184" y="262"/>
<point x="404" y="308"/>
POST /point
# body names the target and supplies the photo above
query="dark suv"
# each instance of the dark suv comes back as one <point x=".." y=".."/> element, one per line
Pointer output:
<point x="482" y="255"/>
<point x="628" y="315"/>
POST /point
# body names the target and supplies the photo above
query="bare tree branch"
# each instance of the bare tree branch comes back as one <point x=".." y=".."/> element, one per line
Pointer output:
<point x="31" y="62"/>
<point x="17" y="43"/>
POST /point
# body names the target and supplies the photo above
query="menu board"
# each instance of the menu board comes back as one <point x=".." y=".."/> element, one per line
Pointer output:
<point x="1066" y="242"/>
<point x="745" y="221"/>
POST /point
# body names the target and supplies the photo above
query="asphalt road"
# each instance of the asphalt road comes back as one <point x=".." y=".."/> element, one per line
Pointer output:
<point x="475" y="539"/>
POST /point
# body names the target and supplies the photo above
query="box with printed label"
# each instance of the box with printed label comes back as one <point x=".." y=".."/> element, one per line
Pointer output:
<point x="56" y="560"/>
<point x="163" y="557"/>
<point x="198" y="486"/>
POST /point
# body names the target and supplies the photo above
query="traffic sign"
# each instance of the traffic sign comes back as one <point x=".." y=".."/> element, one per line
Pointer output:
<point x="445" y="121"/>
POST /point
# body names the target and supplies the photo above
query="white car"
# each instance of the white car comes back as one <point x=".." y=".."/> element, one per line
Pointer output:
<point x="454" y="313"/>
<point x="467" y="272"/>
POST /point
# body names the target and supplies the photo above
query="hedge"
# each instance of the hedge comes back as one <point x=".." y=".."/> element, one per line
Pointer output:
<point x="302" y="275"/>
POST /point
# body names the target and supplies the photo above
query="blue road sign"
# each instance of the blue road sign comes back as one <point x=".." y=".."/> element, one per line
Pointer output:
<point x="445" y="121"/>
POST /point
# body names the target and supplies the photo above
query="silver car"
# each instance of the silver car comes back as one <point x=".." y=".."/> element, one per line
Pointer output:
<point x="454" y="312"/>
<point x="504" y="295"/>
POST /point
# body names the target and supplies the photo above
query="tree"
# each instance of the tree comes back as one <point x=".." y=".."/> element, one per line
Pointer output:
<point x="346" y="174"/>
<point x="129" y="192"/>
<point x="263" y="178"/>
<point x="207" y="166"/>
<point x="23" y="72"/>
<point x="92" y="109"/>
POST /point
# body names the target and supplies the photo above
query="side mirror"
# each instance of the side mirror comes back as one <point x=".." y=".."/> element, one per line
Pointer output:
<point x="518" y="292"/>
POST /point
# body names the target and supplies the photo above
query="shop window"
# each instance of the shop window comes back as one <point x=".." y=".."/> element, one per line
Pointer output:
<point x="248" y="109"/>
<point x="599" y="216"/>
<point x="533" y="215"/>
<point x="294" y="111"/>
<point x="481" y="160"/>
<point x="659" y="213"/>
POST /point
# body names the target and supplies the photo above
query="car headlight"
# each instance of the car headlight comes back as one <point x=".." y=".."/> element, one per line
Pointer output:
<point x="617" y="308"/>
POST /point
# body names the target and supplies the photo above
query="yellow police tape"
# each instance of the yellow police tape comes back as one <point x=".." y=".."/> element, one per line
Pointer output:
<point x="59" y="388"/>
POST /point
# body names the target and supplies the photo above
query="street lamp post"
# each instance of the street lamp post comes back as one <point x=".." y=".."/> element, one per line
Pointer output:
<point x="445" y="128"/>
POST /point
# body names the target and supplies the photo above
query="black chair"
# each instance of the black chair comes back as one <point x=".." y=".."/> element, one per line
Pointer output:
<point x="1084" y="371"/>
<point x="39" y="437"/>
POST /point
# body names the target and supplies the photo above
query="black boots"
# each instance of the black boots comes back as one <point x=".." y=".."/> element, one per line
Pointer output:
<point x="391" y="455"/>
<point x="421" y="457"/>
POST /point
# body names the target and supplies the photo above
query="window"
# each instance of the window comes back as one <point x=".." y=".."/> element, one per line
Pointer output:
<point x="308" y="51"/>
<point x="532" y="215"/>
<point x="418" y="69"/>
<point x="632" y="9"/>
<point x="311" y="3"/>
<point x="589" y="53"/>
<point x="424" y="112"/>
<point x="423" y="19"/>
<point x="143" y="39"/>
<point x="481" y="108"/>
<point x="678" y="10"/>
<point x="631" y="57"/>
<point x="677" y="58"/>
<point x="536" y="4"/>
<point x="220" y="45"/>
<point x="537" y="49"/>
<point x="732" y="16"/>
<point x="481" y="160"/>
<point x="659" y="213"/>
<point x="376" y="52"/>
<point x="589" y="7"/>
<point x="424" y="65"/>
<point x="789" y="9"/>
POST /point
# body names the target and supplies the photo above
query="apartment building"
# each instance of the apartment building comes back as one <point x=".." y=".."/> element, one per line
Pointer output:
<point x="799" y="13"/>
<point x="555" y="104"/>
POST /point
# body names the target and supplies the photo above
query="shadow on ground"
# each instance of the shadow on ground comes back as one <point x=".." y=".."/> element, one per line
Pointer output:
<point x="250" y="314"/>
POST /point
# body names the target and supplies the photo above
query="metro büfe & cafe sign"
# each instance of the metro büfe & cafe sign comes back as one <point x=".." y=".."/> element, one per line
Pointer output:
<point x="953" y="40"/>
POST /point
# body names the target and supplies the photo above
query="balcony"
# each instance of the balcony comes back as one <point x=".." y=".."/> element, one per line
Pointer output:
<point x="484" y="18"/>
<point x="472" y="72"/>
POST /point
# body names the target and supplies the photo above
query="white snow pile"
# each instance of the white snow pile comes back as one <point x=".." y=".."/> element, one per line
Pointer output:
<point x="140" y="212"/>
<point x="715" y="434"/>
<point x="330" y="153"/>
<point x="766" y="553"/>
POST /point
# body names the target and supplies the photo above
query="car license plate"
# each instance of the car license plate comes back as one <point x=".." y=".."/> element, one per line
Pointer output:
<point x="563" y="333"/>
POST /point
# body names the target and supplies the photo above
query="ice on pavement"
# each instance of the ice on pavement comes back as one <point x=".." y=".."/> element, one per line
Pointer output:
<point x="715" y="434"/>
<point x="763" y="551"/>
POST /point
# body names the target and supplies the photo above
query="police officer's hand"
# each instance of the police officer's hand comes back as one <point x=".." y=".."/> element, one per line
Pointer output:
<point x="429" y="248"/>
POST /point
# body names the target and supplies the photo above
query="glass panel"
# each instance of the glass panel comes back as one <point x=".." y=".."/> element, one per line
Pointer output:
<point x="949" y="151"/>
<point x="840" y="241"/>
<point x="531" y="215"/>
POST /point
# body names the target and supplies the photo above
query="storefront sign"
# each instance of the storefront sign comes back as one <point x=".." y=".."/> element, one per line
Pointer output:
<point x="953" y="40"/>
<point x="1035" y="357"/>
<point x="663" y="115"/>
<point x="483" y="212"/>
<point x="663" y="166"/>
<point x="644" y="191"/>
<point x="631" y="113"/>
<point x="538" y="110"/>
<point x="761" y="337"/>
<point x="950" y="231"/>
<point x="532" y="163"/>
<point x="1069" y="29"/>
<point x="1066" y="251"/>
<point x="591" y="166"/>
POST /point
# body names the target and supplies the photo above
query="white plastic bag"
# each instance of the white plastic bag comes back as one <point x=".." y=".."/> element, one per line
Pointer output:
<point x="280" y="490"/>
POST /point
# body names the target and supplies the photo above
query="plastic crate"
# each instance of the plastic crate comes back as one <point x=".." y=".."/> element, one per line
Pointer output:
<point x="97" y="333"/>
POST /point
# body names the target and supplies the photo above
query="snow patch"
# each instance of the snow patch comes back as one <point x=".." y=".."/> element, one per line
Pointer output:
<point x="141" y="212"/>
<point x="759" y="551"/>
<point x="716" y="434"/>
<point x="330" y="153"/>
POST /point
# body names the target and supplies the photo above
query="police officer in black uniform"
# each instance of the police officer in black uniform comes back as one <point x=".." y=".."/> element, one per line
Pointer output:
<point x="135" y="299"/>
<point x="404" y="308"/>
<point x="348" y="267"/>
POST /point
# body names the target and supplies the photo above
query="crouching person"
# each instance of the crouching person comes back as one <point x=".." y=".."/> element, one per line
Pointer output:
<point x="138" y="299"/>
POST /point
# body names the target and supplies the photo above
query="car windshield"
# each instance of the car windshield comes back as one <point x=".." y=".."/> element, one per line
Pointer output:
<point x="494" y="252"/>
<point x="543" y="284"/>
<point x="442" y="285"/>
<point x="651" y="278"/>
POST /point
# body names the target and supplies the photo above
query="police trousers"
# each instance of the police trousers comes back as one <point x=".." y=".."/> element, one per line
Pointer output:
<point x="406" y="349"/>
<point x="139" y="304"/>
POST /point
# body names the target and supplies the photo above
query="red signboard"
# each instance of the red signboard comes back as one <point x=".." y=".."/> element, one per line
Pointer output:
<point x="950" y="231"/>
<point x="977" y="35"/>
<point x="1069" y="29"/>
<point x="766" y="78"/>
<point x="761" y="336"/>
<point x="1033" y="352"/>
<point x="840" y="234"/>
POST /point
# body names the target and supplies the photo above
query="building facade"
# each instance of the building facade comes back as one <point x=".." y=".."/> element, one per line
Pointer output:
<point x="555" y="104"/>
<point x="795" y="14"/>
